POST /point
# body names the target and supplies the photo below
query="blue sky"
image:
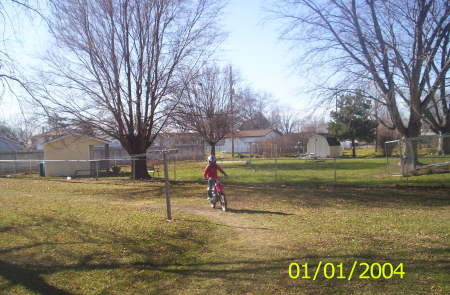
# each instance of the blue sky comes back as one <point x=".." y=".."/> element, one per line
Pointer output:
<point x="252" y="47"/>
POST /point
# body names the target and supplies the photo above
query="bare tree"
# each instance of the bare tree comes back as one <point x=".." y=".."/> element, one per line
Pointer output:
<point x="9" y="75"/>
<point x="19" y="129"/>
<point x="253" y="109"/>
<point x="437" y="112"/>
<point x="285" y="120"/>
<point x="313" y="125"/>
<point x="119" y="64"/>
<point x="205" y="107"/>
<point x="393" y="44"/>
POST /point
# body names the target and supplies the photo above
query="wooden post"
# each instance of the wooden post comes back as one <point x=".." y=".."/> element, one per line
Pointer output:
<point x="133" y="168"/>
<point x="175" y="167"/>
<point x="387" y="158"/>
<point x="232" y="112"/>
<point x="276" y="169"/>
<point x="15" y="163"/>
<point x="335" y="167"/>
<point x="166" y="179"/>
<point x="107" y="157"/>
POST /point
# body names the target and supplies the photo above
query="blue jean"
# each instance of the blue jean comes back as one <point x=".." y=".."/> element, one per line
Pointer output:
<point x="211" y="183"/>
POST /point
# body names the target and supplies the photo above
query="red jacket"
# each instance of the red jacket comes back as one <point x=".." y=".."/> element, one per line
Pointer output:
<point x="211" y="171"/>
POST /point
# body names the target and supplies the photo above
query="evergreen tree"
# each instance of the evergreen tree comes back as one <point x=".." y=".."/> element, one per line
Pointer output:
<point x="352" y="120"/>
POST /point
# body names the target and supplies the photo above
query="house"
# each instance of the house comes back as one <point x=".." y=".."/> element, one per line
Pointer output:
<point x="68" y="155"/>
<point x="9" y="146"/>
<point x="324" y="146"/>
<point x="244" y="140"/>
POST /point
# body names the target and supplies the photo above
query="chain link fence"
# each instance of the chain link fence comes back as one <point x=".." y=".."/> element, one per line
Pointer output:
<point x="97" y="167"/>
<point x="378" y="171"/>
<point x="303" y="172"/>
<point x="423" y="155"/>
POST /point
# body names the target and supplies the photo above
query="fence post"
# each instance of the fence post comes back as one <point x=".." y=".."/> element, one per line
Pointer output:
<point x="387" y="158"/>
<point x="276" y="169"/>
<point x="15" y="163"/>
<point x="133" y="168"/>
<point x="335" y="181"/>
<point x="175" y="167"/>
<point x="166" y="179"/>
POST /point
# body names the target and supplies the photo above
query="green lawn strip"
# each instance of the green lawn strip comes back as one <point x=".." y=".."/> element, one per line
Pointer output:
<point x="360" y="172"/>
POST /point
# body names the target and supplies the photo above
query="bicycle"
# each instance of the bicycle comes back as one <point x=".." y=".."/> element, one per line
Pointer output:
<point x="218" y="195"/>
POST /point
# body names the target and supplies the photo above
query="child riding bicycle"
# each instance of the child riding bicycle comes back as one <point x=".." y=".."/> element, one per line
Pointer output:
<point x="211" y="174"/>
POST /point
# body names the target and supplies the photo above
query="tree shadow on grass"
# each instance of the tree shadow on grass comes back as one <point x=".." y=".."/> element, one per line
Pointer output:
<point x="226" y="225"/>
<point x="250" y="211"/>
<point x="86" y="247"/>
<point x="329" y="197"/>
<point x="29" y="278"/>
<point x="246" y="270"/>
<point x="29" y="271"/>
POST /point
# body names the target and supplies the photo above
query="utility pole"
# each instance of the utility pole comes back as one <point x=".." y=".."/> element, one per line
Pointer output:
<point x="376" y="128"/>
<point x="336" y="109"/>
<point x="166" y="187"/>
<point x="232" y="112"/>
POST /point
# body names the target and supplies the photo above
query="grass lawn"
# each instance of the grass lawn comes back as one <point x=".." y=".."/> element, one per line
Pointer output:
<point x="363" y="152"/>
<point x="110" y="237"/>
<point x="358" y="171"/>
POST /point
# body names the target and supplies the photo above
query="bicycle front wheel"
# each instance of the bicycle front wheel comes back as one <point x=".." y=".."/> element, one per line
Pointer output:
<point x="223" y="202"/>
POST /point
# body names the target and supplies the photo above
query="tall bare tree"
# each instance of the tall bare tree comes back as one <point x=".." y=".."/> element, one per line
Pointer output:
<point x="253" y="111"/>
<point x="437" y="112"/>
<point x="9" y="76"/>
<point x="119" y="63"/>
<point x="285" y="120"/>
<point x="206" y="106"/>
<point x="393" y="44"/>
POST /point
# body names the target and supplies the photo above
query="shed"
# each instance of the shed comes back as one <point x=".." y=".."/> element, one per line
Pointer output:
<point x="72" y="153"/>
<point x="324" y="146"/>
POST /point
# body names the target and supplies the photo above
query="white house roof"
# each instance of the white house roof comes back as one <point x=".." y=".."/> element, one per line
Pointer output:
<point x="252" y="133"/>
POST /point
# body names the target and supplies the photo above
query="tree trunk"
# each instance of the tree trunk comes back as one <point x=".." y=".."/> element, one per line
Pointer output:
<point x="409" y="159"/>
<point x="353" y="148"/>
<point x="376" y="138"/>
<point x="139" y="168"/>
<point x="443" y="145"/>
<point x="139" y="161"/>
<point x="213" y="149"/>
<point x="446" y="145"/>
